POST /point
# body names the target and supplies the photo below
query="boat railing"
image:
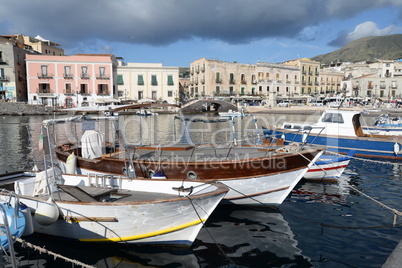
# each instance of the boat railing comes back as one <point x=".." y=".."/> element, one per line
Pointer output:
<point x="11" y="196"/>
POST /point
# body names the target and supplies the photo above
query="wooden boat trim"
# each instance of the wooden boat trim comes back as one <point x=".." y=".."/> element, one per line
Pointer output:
<point x="146" y="235"/>
<point x="83" y="219"/>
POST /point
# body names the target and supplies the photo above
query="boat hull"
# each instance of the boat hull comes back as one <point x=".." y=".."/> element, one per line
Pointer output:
<point x="252" y="181"/>
<point x="331" y="167"/>
<point x="366" y="147"/>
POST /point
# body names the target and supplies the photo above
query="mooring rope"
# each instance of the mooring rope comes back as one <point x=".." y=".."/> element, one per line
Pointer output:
<point x="367" y="160"/>
<point x="210" y="235"/>
<point x="55" y="255"/>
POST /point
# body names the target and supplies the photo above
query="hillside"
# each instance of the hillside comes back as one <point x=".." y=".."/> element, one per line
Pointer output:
<point x="370" y="48"/>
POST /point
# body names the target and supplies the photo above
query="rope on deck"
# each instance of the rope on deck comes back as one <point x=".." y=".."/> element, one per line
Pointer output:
<point x="55" y="255"/>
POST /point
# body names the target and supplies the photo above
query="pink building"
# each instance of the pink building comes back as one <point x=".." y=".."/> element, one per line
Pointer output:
<point x="69" y="81"/>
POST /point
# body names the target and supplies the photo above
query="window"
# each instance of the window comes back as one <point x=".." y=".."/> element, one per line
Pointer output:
<point x="154" y="95"/>
<point x="83" y="89"/>
<point x="1" y="56"/>
<point x="44" y="70"/>
<point x="68" y="89"/>
<point x="102" y="89"/>
<point x="84" y="72"/>
<point x="2" y="76"/>
<point x="140" y="95"/>
<point x="67" y="71"/>
<point x="217" y="89"/>
<point x="120" y="80"/>
<point x="44" y="88"/>
<point x="217" y="78"/>
<point x="154" y="82"/>
<point x="170" y="93"/>
<point x="332" y="118"/>
<point x="102" y="72"/>
<point x="170" y="80"/>
<point x="140" y="80"/>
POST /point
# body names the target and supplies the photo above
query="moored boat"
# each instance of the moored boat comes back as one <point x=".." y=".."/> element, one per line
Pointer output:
<point x="115" y="209"/>
<point x="328" y="167"/>
<point x="255" y="174"/>
<point x="340" y="131"/>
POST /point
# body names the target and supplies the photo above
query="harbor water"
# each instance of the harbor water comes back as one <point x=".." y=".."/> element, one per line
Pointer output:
<point x="344" y="224"/>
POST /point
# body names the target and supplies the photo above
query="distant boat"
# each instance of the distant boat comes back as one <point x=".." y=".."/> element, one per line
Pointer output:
<point x="385" y="125"/>
<point x="230" y="113"/>
<point x="328" y="167"/>
<point x="340" y="131"/>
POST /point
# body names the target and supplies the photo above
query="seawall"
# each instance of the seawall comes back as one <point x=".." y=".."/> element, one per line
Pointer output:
<point x="20" y="108"/>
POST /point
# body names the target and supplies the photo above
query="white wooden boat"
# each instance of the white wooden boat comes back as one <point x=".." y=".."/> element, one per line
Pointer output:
<point x="256" y="175"/>
<point x="114" y="209"/>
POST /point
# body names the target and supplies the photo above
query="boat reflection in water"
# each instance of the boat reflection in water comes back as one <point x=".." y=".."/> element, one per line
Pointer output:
<point x="253" y="237"/>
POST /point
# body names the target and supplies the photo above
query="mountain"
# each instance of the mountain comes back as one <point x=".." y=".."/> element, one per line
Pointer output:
<point x="370" y="48"/>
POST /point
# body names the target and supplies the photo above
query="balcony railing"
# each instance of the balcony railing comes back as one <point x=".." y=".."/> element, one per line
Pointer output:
<point x="103" y="92"/>
<point x="4" y="78"/>
<point x="68" y="92"/>
<point x="45" y="76"/>
<point x="84" y="76"/>
<point x="44" y="91"/>
<point x="2" y="62"/>
<point x="105" y="77"/>
<point x="68" y="76"/>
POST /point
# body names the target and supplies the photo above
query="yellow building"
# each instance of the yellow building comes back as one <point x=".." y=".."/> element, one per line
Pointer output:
<point x="309" y="75"/>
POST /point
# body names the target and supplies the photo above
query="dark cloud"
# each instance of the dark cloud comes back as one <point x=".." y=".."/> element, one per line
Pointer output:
<point x="160" y="22"/>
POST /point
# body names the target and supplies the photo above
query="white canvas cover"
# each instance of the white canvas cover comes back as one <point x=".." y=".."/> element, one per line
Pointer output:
<point x="93" y="144"/>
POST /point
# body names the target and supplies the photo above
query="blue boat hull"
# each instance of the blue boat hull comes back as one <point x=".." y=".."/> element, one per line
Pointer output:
<point x="363" y="147"/>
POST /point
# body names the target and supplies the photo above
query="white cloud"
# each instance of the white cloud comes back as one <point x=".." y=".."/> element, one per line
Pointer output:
<point x="370" y="28"/>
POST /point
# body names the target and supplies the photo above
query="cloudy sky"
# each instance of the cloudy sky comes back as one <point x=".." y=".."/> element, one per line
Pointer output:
<point x="176" y="32"/>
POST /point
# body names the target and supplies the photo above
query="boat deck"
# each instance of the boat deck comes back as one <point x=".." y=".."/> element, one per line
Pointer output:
<point x="189" y="153"/>
<point x="87" y="193"/>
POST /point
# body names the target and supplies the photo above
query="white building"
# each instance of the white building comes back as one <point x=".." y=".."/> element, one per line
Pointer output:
<point x="136" y="81"/>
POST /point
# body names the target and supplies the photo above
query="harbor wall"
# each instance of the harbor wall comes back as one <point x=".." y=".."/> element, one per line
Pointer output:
<point x="20" y="108"/>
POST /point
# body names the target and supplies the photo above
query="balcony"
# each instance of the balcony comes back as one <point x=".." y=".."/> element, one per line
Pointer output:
<point x="84" y="76"/>
<point x="218" y="81"/>
<point x="2" y="62"/>
<point x="68" y="76"/>
<point x="4" y="78"/>
<point x="243" y="81"/>
<point x="67" y="91"/>
<point x="232" y="81"/>
<point x="83" y="93"/>
<point x="102" y="77"/>
<point x="45" y="76"/>
<point x="44" y="92"/>
<point x="103" y="92"/>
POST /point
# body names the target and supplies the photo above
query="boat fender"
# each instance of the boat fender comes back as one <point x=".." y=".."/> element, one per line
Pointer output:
<point x="47" y="213"/>
<point x="29" y="229"/>
<point x="396" y="148"/>
<point x="304" y="138"/>
<point x="71" y="164"/>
